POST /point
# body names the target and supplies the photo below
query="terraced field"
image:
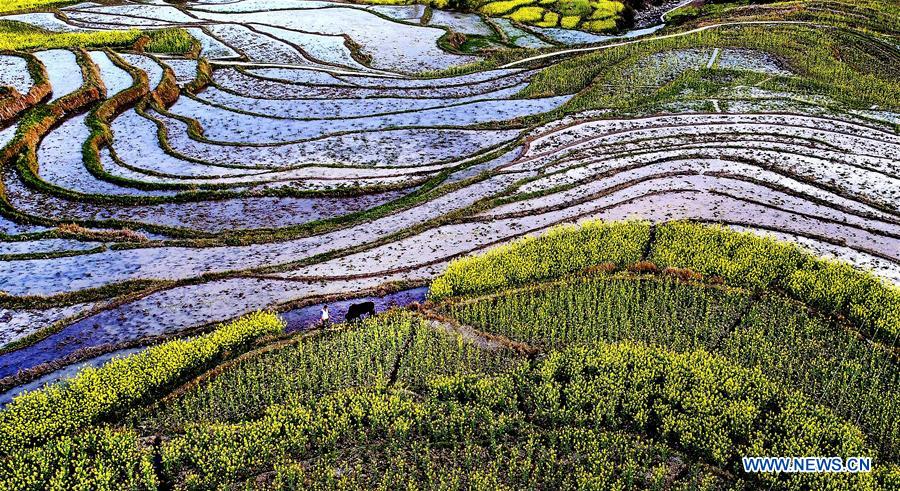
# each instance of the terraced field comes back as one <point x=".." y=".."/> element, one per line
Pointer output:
<point x="603" y="348"/>
<point x="167" y="167"/>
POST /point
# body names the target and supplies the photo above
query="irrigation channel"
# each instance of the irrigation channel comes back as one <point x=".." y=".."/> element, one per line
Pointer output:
<point x="301" y="155"/>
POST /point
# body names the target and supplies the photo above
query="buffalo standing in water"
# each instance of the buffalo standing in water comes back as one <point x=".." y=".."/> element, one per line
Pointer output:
<point x="357" y="310"/>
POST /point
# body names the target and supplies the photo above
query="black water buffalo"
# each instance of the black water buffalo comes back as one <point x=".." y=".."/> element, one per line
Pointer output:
<point x="357" y="310"/>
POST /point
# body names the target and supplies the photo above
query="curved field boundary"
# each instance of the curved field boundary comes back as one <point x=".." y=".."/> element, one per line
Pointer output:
<point x="746" y="326"/>
<point x="310" y="263"/>
<point x="654" y="38"/>
<point x="14" y="104"/>
<point x="43" y="118"/>
<point x="873" y="310"/>
<point x="26" y="376"/>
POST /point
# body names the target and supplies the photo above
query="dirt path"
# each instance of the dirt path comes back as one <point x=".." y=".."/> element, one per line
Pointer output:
<point x="482" y="339"/>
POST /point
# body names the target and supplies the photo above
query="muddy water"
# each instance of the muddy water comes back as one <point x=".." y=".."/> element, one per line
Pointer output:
<point x="101" y="330"/>
<point x="64" y="374"/>
<point x="83" y="334"/>
<point x="306" y="317"/>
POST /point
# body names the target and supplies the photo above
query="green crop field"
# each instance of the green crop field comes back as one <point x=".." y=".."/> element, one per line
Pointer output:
<point x="595" y="369"/>
<point x="25" y="5"/>
<point x="449" y="245"/>
<point x="589" y="15"/>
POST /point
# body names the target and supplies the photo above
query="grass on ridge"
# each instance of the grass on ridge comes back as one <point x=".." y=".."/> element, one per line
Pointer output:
<point x="593" y="15"/>
<point x="7" y="6"/>
<point x="169" y="41"/>
<point x="17" y="36"/>
<point x="822" y="67"/>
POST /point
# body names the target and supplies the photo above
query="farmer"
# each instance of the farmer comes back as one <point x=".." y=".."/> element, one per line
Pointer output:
<point x="325" y="315"/>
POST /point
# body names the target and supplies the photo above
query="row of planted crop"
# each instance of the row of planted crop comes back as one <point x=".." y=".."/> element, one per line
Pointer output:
<point x="99" y="459"/>
<point x="742" y="259"/>
<point x="99" y="393"/>
<point x="54" y="438"/>
<point x="772" y="334"/>
<point x="746" y="259"/>
<point x="561" y="458"/>
<point x="22" y="36"/>
<point x="695" y="401"/>
<point x="325" y="361"/>
<point x="458" y="409"/>
<point x="606" y="308"/>
<point x="559" y="251"/>
<point x="362" y="355"/>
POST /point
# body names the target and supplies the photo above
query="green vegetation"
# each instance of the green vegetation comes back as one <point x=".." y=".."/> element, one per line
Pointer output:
<point x="742" y="259"/>
<point x="569" y="458"/>
<point x="588" y="15"/>
<point x="755" y="262"/>
<point x="610" y="307"/>
<point x="101" y="459"/>
<point x="21" y="36"/>
<point x="679" y="399"/>
<point x="875" y="17"/>
<point x="322" y="363"/>
<point x="555" y="367"/>
<point x="97" y="393"/>
<point x="10" y="6"/>
<point x="604" y="356"/>
<point x="695" y="401"/>
<point x="170" y="41"/>
<point x="18" y="36"/>
<point x="562" y="250"/>
<point x="822" y="60"/>
<point x="436" y="350"/>
<point x="769" y="333"/>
